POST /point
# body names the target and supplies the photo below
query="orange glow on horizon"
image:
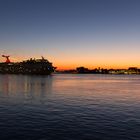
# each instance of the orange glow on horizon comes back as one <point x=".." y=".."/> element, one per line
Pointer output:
<point x="67" y="64"/>
<point x="72" y="67"/>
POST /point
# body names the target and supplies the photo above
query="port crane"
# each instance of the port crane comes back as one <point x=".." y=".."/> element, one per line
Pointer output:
<point x="7" y="58"/>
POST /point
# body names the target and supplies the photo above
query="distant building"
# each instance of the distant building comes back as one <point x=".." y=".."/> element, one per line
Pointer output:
<point x="133" y="70"/>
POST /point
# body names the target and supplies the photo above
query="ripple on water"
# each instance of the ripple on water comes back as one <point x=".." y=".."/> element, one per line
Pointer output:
<point x="70" y="107"/>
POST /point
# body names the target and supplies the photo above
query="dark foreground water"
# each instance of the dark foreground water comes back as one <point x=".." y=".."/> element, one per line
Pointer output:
<point x="70" y="107"/>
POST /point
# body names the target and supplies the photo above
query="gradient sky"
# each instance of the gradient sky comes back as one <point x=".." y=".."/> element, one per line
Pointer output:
<point x="72" y="33"/>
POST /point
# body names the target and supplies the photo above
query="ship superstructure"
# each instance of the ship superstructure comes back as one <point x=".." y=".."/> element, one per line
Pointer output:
<point x="32" y="66"/>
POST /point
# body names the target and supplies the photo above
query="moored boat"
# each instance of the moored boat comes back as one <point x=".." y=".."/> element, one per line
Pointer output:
<point x="32" y="66"/>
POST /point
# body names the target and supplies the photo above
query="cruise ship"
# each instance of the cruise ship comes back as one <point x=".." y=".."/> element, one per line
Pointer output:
<point x="32" y="66"/>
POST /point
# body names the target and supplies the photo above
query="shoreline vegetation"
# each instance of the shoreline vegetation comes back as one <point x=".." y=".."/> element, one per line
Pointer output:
<point x="44" y="67"/>
<point x="83" y="70"/>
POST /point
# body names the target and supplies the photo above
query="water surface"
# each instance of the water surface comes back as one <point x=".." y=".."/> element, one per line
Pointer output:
<point x="70" y="107"/>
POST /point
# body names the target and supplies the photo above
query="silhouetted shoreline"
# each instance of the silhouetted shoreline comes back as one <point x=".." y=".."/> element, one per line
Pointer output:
<point x="83" y="70"/>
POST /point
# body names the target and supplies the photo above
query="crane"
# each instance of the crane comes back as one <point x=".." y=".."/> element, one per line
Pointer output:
<point x="7" y="58"/>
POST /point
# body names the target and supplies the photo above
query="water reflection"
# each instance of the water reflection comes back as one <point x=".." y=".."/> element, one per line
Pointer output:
<point x="92" y="106"/>
<point x="80" y="87"/>
<point x="32" y="86"/>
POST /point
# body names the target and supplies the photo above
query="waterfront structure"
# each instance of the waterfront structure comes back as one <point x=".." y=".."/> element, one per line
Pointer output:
<point x="83" y="70"/>
<point x="32" y="66"/>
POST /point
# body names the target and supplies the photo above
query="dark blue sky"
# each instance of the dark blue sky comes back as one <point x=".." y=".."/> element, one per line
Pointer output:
<point x="72" y="32"/>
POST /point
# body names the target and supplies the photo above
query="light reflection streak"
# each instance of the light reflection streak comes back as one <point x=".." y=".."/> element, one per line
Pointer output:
<point x="20" y="85"/>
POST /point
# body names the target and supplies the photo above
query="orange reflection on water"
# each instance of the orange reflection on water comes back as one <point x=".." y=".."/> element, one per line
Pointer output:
<point x="17" y="85"/>
<point x="87" y="89"/>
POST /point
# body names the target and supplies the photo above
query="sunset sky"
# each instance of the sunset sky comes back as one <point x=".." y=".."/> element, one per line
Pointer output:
<point x="72" y="33"/>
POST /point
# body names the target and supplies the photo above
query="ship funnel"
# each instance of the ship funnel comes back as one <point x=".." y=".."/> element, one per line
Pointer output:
<point x="7" y="58"/>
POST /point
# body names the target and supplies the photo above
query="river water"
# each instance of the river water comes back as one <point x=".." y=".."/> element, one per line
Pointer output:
<point x="70" y="107"/>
